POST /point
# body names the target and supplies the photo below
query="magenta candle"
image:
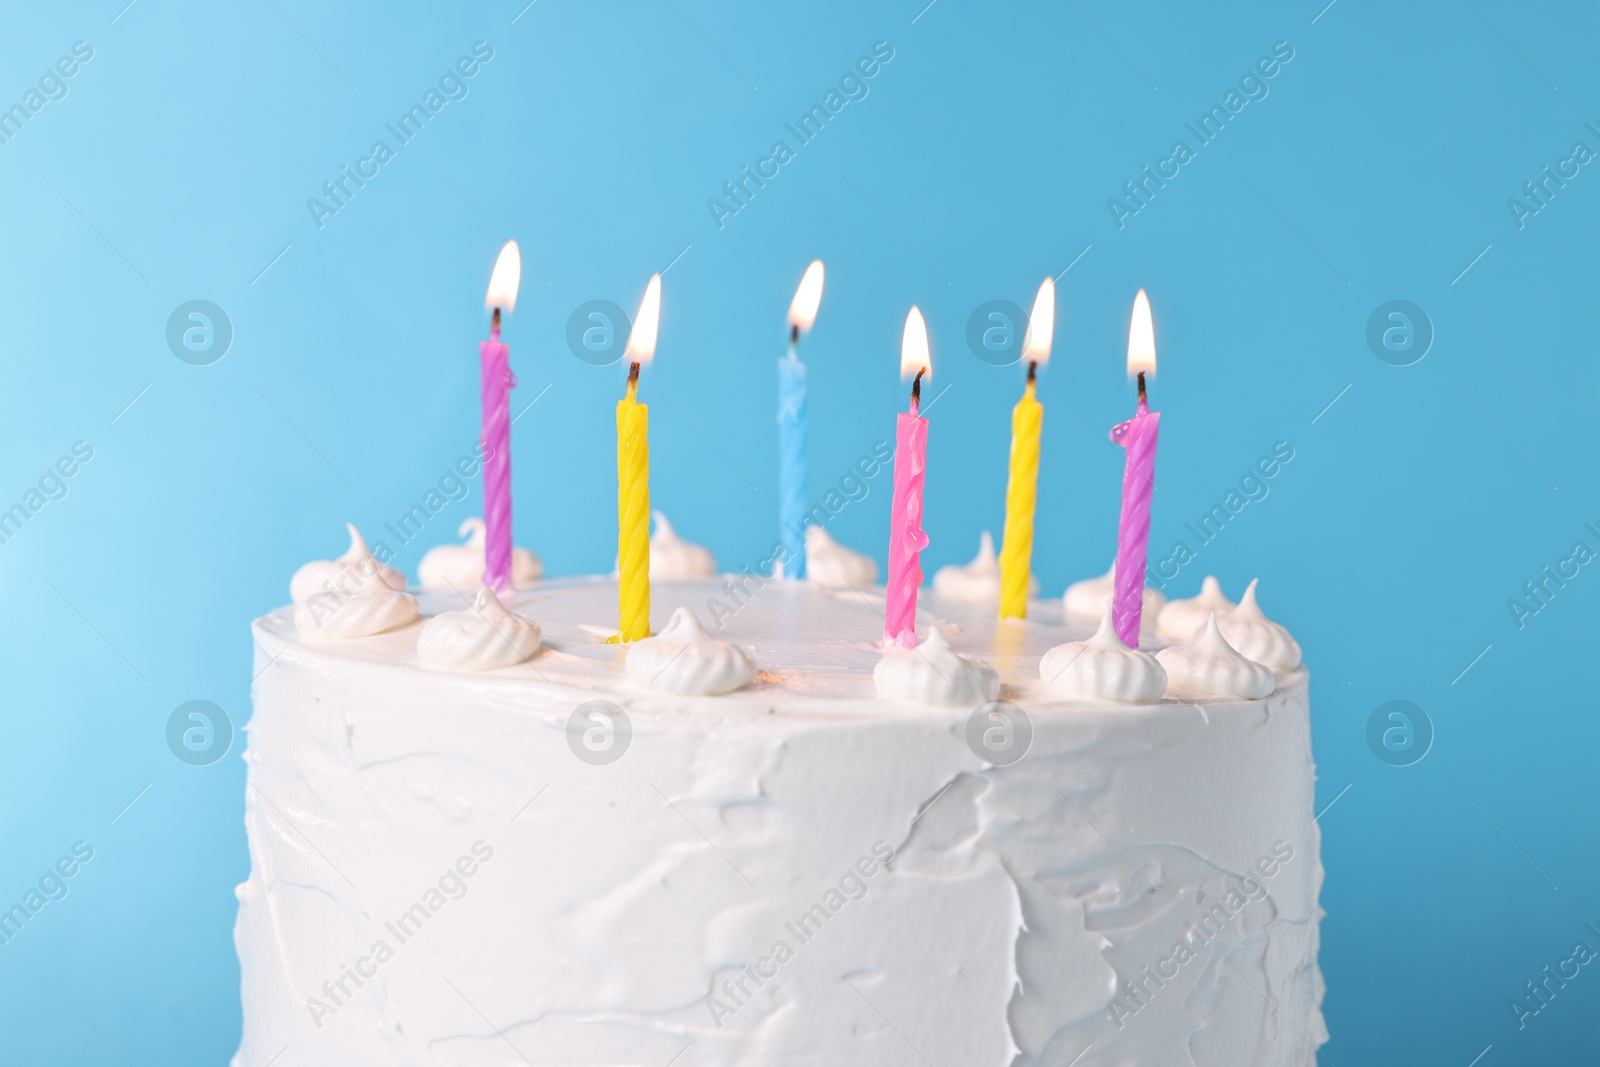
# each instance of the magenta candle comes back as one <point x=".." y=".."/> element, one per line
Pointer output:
<point x="497" y="381"/>
<point x="1138" y="437"/>
<point x="906" y="536"/>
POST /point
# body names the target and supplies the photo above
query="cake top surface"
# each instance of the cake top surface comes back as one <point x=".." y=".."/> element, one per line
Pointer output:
<point x="815" y="649"/>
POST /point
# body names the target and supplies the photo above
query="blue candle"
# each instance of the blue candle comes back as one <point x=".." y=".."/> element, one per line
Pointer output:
<point x="792" y="505"/>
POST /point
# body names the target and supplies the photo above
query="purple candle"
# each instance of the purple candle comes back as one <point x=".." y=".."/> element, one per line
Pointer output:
<point x="497" y="382"/>
<point x="906" y="536"/>
<point x="1138" y="436"/>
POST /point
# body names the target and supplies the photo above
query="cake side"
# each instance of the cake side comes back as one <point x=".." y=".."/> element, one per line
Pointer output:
<point x="797" y="873"/>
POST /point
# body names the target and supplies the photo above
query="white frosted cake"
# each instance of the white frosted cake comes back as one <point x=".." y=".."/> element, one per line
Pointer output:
<point x="466" y="866"/>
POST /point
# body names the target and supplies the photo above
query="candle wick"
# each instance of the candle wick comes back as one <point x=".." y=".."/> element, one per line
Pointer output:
<point x="794" y="334"/>
<point x="916" y="387"/>
<point x="1033" y="371"/>
<point x="1142" y="397"/>
<point x="633" y="379"/>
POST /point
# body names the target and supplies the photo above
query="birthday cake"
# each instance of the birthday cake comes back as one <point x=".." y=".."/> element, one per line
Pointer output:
<point x="480" y="834"/>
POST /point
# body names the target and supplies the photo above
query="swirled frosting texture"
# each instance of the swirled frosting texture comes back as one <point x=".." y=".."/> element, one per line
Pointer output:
<point x="372" y="609"/>
<point x="672" y="559"/>
<point x="978" y="580"/>
<point x="329" y="575"/>
<point x="934" y="673"/>
<point x="685" y="660"/>
<point x="1210" y="667"/>
<point x="1092" y="596"/>
<point x="486" y="636"/>
<point x="833" y="566"/>
<point x="461" y="567"/>
<point x="1257" y="637"/>
<point x="1181" y="620"/>
<point x="1103" y="668"/>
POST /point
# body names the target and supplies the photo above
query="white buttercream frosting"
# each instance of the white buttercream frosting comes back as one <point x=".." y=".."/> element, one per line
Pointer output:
<point x="1091" y="597"/>
<point x="483" y="637"/>
<point x="460" y="567"/>
<point x="978" y="580"/>
<point x="383" y="796"/>
<point x="1257" y="637"/>
<point x="1181" y="620"/>
<point x="672" y="559"/>
<point x="684" y="659"/>
<point x="1103" y="668"/>
<point x="832" y="565"/>
<point x="935" y="673"/>
<point x="325" y="575"/>
<point x="372" y="608"/>
<point x="1210" y="667"/>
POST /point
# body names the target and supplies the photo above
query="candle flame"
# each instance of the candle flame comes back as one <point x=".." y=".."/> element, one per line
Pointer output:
<point x="914" y="346"/>
<point x="642" y="340"/>
<point x="1041" y="324"/>
<point x="506" y="279"/>
<point x="1141" y="338"/>
<point x="803" y="311"/>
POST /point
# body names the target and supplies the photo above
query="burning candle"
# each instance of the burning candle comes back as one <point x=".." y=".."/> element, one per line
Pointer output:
<point x="633" y="477"/>
<point x="906" y="536"/>
<point x="1138" y="436"/>
<point x="792" y="426"/>
<point x="1022" y="487"/>
<point x="496" y="382"/>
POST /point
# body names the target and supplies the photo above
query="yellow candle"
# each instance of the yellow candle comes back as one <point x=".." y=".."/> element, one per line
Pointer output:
<point x="1022" y="490"/>
<point x="633" y="478"/>
<point x="633" y="515"/>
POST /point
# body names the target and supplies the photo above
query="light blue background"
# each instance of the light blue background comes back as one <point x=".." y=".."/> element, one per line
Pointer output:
<point x="178" y="167"/>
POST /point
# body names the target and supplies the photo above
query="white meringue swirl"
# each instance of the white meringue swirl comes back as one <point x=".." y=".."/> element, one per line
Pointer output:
<point x="1103" y="668"/>
<point x="1181" y="620"/>
<point x="1257" y="637"/>
<point x="685" y="660"/>
<point x="1091" y="597"/>
<point x="833" y="566"/>
<point x="1210" y="667"/>
<point x="461" y="566"/>
<point x="327" y="575"/>
<point x="672" y="559"/>
<point x="934" y="673"/>
<point x="978" y="580"/>
<point x="340" y="617"/>
<point x="486" y="636"/>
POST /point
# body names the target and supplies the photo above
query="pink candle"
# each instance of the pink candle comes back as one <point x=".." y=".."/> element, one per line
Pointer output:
<point x="497" y="381"/>
<point x="1138" y="436"/>
<point x="906" y="536"/>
